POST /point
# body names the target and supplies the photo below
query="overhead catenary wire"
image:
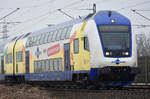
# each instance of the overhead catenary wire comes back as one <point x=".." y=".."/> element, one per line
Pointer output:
<point x="140" y="14"/>
<point x="135" y="5"/>
<point x="9" y="13"/>
<point x="141" y="10"/>
<point x="49" y="13"/>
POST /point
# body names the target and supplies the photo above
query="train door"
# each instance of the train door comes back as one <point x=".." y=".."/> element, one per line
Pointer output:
<point x="2" y="64"/>
<point x="67" y="57"/>
<point x="27" y="61"/>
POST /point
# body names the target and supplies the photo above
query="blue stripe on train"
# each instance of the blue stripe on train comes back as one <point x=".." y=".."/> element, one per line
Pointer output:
<point x="53" y="76"/>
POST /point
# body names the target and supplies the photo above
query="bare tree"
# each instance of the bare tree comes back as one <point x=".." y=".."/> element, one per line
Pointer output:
<point x="143" y="44"/>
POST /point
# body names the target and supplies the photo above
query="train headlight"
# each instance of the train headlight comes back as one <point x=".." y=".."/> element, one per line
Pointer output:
<point x="112" y="21"/>
<point x="107" y="53"/>
<point x="126" y="53"/>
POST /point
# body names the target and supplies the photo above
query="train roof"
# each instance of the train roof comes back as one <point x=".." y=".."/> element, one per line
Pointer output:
<point x="101" y="17"/>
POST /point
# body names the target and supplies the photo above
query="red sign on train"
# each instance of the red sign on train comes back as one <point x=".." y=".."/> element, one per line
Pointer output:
<point x="53" y="50"/>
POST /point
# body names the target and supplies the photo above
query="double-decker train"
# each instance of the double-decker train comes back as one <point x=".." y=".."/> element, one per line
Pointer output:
<point x="98" y="48"/>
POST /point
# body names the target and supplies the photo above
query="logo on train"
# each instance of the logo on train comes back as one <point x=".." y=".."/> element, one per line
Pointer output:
<point x="117" y="61"/>
<point x="53" y="50"/>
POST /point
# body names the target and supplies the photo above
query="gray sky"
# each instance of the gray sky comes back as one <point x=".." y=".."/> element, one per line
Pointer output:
<point x="36" y="14"/>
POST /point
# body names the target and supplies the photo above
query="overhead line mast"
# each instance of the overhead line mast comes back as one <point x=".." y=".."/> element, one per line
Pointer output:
<point x="5" y="24"/>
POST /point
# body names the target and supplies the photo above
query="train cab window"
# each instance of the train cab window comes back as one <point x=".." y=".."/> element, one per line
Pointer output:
<point x="60" y="64"/>
<point x="54" y="36"/>
<point x="59" y="34"/>
<point x="86" y="44"/>
<point x="76" y="45"/>
<point x="55" y="64"/>
<point x="64" y="31"/>
<point x="51" y="64"/>
<point x="50" y="36"/>
<point x="68" y="32"/>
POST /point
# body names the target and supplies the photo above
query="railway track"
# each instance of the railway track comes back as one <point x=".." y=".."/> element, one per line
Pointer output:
<point x="72" y="92"/>
<point x="132" y="92"/>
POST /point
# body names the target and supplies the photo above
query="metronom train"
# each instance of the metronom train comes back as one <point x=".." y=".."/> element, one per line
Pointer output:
<point x="98" y="49"/>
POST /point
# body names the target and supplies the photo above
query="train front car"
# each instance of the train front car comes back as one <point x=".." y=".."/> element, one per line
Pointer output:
<point x="113" y="52"/>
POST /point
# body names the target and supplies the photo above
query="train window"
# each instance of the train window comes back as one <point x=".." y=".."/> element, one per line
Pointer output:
<point x="6" y="59"/>
<point x="51" y="65"/>
<point x="35" y="66"/>
<point x="28" y="42"/>
<point x="59" y="34"/>
<point x="43" y="66"/>
<point x="41" y="39"/>
<point x="34" y="41"/>
<point x="55" y="64"/>
<point x="10" y="58"/>
<point x="86" y="43"/>
<point x="16" y="56"/>
<point x="68" y="32"/>
<point x="38" y="39"/>
<point x="60" y="64"/>
<point x="50" y="36"/>
<point x="76" y="45"/>
<point x="31" y="42"/>
<point x="54" y="36"/>
<point x="39" y="66"/>
<point x="21" y="56"/>
<point x="45" y="69"/>
<point x="46" y="37"/>
<point x="47" y="65"/>
<point x="63" y="33"/>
